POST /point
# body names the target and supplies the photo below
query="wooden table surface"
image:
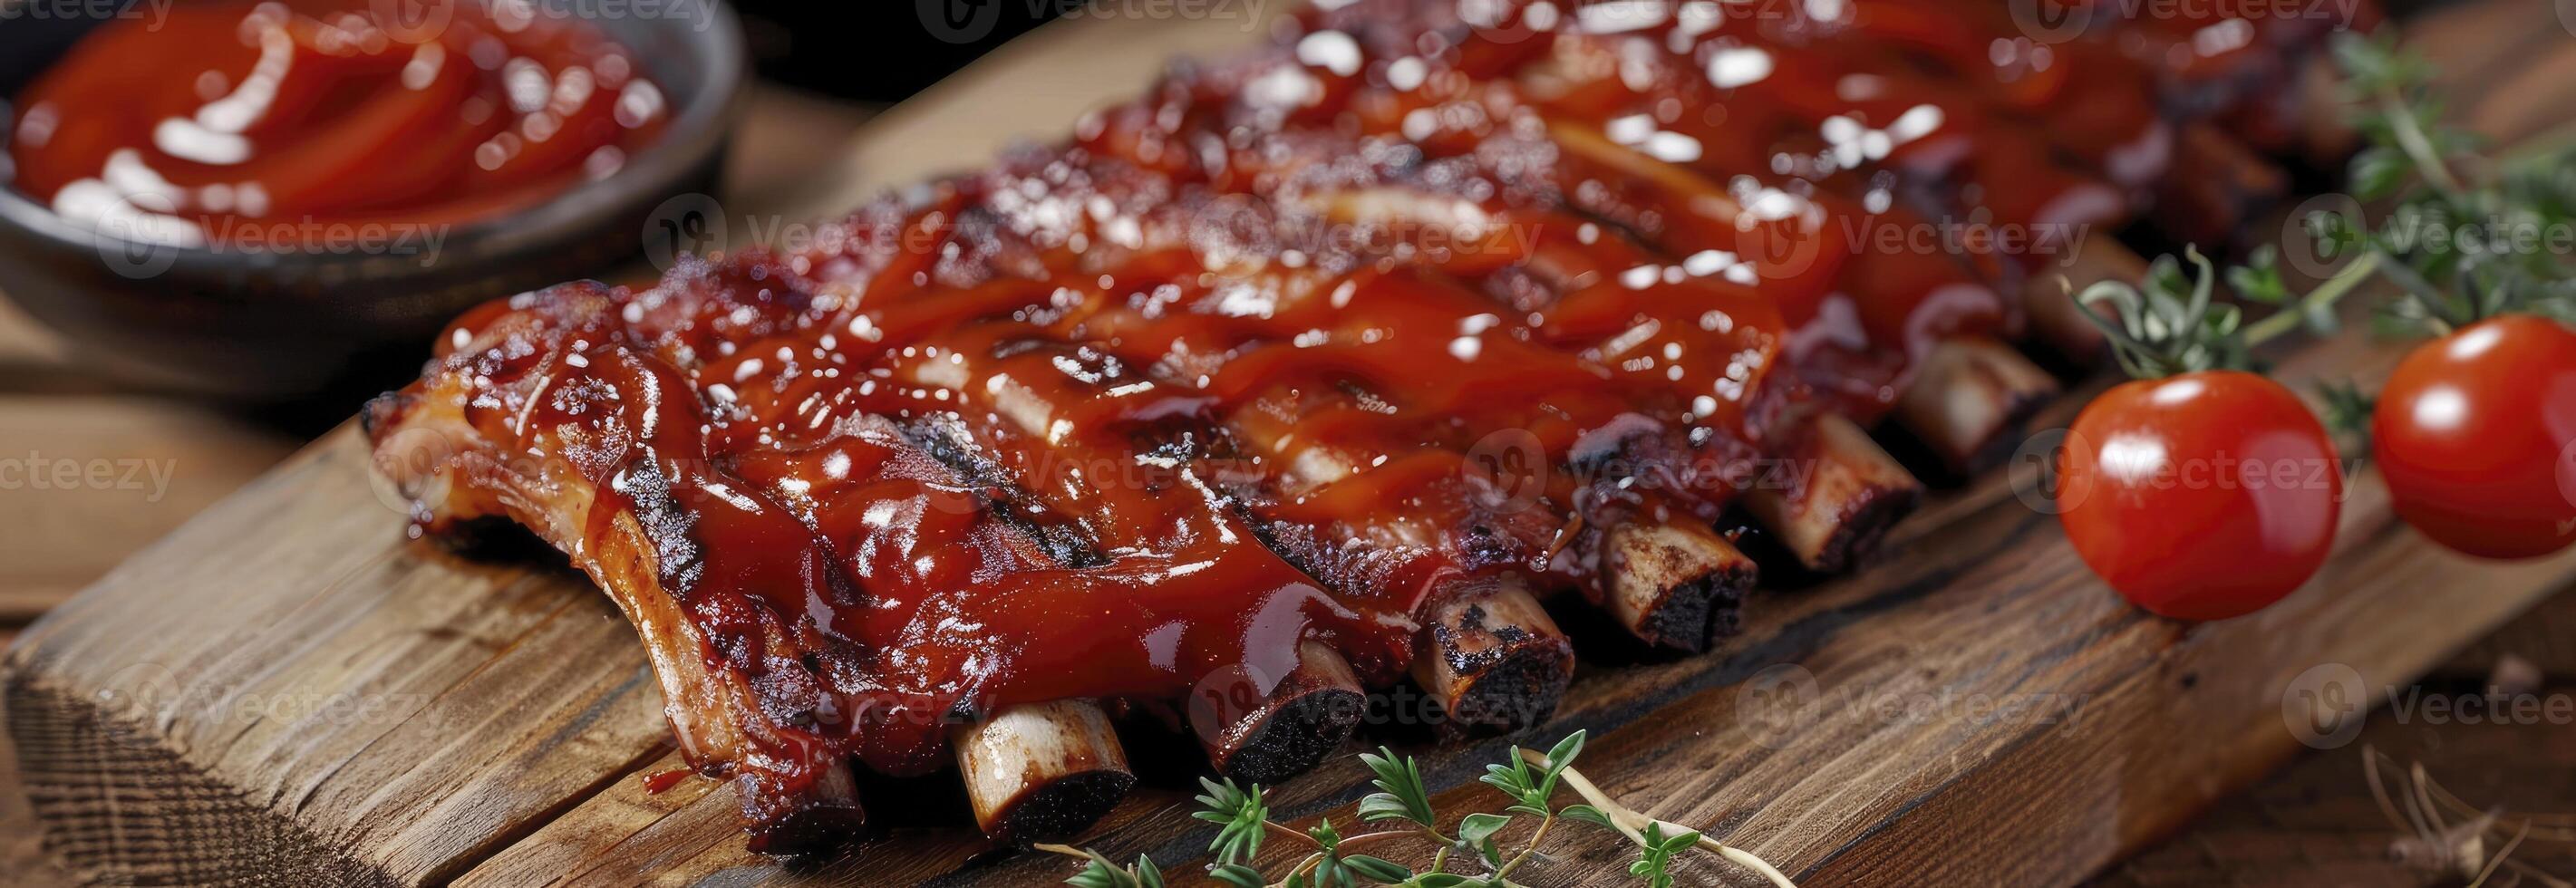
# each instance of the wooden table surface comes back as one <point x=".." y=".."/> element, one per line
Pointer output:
<point x="167" y="459"/>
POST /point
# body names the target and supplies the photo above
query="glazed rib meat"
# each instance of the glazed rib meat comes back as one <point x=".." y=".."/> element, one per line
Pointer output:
<point x="1327" y="368"/>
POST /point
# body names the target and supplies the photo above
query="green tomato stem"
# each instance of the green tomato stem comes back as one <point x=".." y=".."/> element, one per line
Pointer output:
<point x="1528" y="849"/>
<point x="2411" y="138"/>
<point x="2323" y="297"/>
<point x="1300" y="836"/>
<point x="1364" y="840"/>
<point x="1302" y="866"/>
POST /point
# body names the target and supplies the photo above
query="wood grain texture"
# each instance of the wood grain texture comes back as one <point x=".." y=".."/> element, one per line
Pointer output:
<point x="286" y="689"/>
<point x="87" y="481"/>
<point x="2545" y="638"/>
<point x="285" y="676"/>
<point x="2317" y="822"/>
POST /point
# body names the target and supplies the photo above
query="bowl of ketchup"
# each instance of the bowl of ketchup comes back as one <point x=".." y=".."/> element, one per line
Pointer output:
<point x="269" y="199"/>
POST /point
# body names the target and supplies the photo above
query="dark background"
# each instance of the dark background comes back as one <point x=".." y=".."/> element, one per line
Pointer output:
<point x="881" y="50"/>
<point x="864" y="50"/>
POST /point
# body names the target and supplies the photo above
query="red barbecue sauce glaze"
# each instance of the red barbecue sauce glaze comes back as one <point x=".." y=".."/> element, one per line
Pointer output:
<point x="233" y="114"/>
<point x="659" y="782"/>
<point x="1927" y="147"/>
<point x="1091" y="367"/>
<point x="1713" y="151"/>
<point x="1088" y="315"/>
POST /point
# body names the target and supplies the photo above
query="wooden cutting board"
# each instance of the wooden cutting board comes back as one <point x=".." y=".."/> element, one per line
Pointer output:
<point x="287" y="689"/>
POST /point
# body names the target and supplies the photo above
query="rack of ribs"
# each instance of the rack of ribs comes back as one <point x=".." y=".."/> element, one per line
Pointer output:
<point x="1351" y="362"/>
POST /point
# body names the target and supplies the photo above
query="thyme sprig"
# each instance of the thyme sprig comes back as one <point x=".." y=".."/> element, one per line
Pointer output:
<point x="2465" y="238"/>
<point x="1529" y="779"/>
<point x="1241" y="815"/>
<point x="2170" y="323"/>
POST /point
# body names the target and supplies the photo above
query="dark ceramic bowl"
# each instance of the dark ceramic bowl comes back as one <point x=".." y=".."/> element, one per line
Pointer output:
<point x="286" y="326"/>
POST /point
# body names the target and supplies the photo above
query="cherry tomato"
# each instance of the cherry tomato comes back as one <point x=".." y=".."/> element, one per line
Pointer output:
<point x="2476" y="434"/>
<point x="2201" y="497"/>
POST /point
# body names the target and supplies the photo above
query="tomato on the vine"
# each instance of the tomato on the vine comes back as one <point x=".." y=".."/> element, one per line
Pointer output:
<point x="2202" y="496"/>
<point x="2476" y="434"/>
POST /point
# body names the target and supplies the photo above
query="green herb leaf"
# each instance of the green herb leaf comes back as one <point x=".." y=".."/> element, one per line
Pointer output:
<point x="1325" y="834"/>
<point x="1098" y="872"/>
<point x="1238" y="875"/>
<point x="1241" y="814"/>
<point x="2347" y="411"/>
<point x="1559" y="757"/>
<point x="1478" y="830"/>
<point x="1384" y="806"/>
<point x="2378" y="172"/>
<point x="1377" y="868"/>
<point x="1401" y="795"/>
<point x="1654" y="861"/>
<point x="1446" y="880"/>
<point x="2259" y="279"/>
<point x="1563" y="753"/>
<point x="2168" y="325"/>
<point x="1478" y="827"/>
<point x="1328" y="873"/>
<point x="1587" y="814"/>
<point x="1513" y="779"/>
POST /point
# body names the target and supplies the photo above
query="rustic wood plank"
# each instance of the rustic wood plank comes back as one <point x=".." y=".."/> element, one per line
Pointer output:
<point x="2171" y="717"/>
<point x="2545" y="638"/>
<point x="23" y="861"/>
<point x="90" y="480"/>
<point x="627" y="834"/>
<point x="367" y="708"/>
<point x="2316" y="822"/>
<point x="23" y="342"/>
